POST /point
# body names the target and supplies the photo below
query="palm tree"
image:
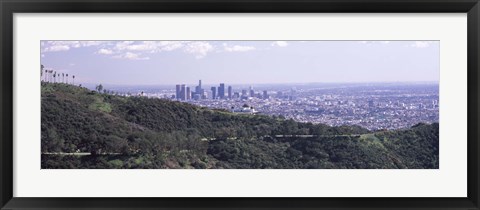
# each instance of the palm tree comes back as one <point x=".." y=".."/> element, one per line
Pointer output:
<point x="54" y="76"/>
<point x="67" y="78"/>
<point x="41" y="71"/>
<point x="99" y="88"/>
<point x="63" y="77"/>
<point x="46" y="76"/>
<point x="73" y="76"/>
<point x="50" y="75"/>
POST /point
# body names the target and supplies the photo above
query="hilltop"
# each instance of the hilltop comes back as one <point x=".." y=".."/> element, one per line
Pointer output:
<point x="139" y="132"/>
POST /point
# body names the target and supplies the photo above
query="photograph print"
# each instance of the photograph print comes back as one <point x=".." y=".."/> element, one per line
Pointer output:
<point x="269" y="104"/>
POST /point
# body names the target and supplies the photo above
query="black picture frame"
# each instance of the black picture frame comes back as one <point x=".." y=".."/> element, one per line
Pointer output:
<point x="10" y="7"/>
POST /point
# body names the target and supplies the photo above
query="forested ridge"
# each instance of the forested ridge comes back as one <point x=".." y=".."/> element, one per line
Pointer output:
<point x="139" y="132"/>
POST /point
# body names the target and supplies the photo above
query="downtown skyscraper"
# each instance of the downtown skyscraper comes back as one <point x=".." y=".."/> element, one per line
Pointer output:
<point x="199" y="92"/>
<point x="214" y="92"/>
<point x="185" y="93"/>
<point x="177" y="92"/>
<point x="221" y="91"/>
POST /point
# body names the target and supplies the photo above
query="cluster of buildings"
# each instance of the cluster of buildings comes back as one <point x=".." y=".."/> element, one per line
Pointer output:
<point x="374" y="107"/>
<point x="185" y="93"/>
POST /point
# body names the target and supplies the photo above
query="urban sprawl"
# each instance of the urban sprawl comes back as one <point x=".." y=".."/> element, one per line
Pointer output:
<point x="373" y="106"/>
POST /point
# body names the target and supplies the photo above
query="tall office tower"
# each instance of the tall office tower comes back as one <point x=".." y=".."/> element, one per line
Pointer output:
<point x="229" y="92"/>
<point x="252" y="93"/>
<point x="221" y="91"/>
<point x="244" y="93"/>
<point x="177" y="93"/>
<point x="195" y="96"/>
<point x="265" y="94"/>
<point x="198" y="89"/>
<point x="236" y="95"/>
<point x="189" y="94"/>
<point x="214" y="92"/>
<point x="183" y="92"/>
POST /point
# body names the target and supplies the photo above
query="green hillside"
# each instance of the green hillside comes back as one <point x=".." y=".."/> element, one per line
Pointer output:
<point x="86" y="129"/>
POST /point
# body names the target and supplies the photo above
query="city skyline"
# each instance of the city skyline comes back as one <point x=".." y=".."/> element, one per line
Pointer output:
<point x="243" y="62"/>
<point x="374" y="107"/>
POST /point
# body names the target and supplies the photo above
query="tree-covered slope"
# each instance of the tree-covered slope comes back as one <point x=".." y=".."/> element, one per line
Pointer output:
<point x="139" y="132"/>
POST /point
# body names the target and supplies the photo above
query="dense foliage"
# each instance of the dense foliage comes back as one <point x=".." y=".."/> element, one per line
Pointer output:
<point x="138" y="132"/>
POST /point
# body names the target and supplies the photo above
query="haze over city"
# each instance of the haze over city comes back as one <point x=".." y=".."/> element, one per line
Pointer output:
<point x="242" y="62"/>
<point x="240" y="104"/>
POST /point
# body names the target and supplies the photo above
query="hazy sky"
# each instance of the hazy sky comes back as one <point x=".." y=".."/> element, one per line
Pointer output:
<point x="242" y="62"/>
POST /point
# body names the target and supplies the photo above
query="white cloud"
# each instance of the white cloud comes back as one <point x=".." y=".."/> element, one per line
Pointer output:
<point x="237" y="48"/>
<point x="133" y="50"/>
<point x="374" y="42"/>
<point x="422" y="44"/>
<point x="131" y="56"/>
<point x="105" y="51"/>
<point x="280" y="43"/>
<point x="56" y="48"/>
<point x="149" y="46"/>
<point x="171" y="45"/>
<point x="125" y="49"/>
<point x="92" y="43"/>
<point x="199" y="49"/>
<point x="141" y="47"/>
<point x="416" y="44"/>
<point x="122" y="45"/>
